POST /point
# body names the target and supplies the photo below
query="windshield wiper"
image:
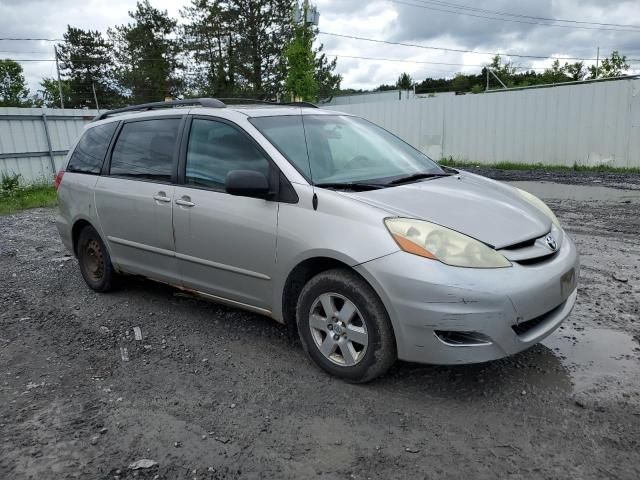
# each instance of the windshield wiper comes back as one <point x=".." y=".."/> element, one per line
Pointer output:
<point x="350" y="186"/>
<point x="418" y="176"/>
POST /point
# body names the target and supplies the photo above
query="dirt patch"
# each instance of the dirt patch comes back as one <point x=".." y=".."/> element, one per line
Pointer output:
<point x="214" y="392"/>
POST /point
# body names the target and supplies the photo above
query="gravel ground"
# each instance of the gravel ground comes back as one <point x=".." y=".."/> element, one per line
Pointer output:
<point x="214" y="392"/>
<point x="627" y="181"/>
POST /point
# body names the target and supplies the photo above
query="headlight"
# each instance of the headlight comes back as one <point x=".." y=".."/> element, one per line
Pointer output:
<point x="439" y="243"/>
<point x="540" y="205"/>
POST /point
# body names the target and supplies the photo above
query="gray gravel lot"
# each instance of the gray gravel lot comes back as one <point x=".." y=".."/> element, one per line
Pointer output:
<point x="214" y="392"/>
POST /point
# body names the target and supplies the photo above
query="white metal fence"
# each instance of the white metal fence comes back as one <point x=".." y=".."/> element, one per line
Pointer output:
<point x="584" y="124"/>
<point x="34" y="141"/>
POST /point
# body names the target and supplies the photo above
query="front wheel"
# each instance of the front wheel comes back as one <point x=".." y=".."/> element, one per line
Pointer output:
<point x="344" y="327"/>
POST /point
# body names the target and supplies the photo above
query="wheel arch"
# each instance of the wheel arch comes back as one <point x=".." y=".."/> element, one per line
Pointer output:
<point x="78" y="226"/>
<point x="301" y="273"/>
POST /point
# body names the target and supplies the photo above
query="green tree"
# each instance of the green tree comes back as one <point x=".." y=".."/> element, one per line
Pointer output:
<point x="87" y="63"/>
<point x="576" y="70"/>
<point x="236" y="47"/>
<point x="505" y="72"/>
<point x="209" y="45"/>
<point x="262" y="30"/>
<point x="301" y="83"/>
<point x="613" y="66"/>
<point x="460" y="83"/>
<point x="146" y="55"/>
<point x="49" y="93"/>
<point x="13" y="87"/>
<point x="405" y="82"/>
<point x="556" y="74"/>
<point x="328" y="81"/>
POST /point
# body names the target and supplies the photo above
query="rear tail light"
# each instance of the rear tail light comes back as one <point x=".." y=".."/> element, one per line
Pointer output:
<point x="58" y="180"/>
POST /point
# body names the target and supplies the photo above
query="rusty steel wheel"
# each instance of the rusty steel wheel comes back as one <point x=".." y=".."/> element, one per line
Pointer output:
<point x="94" y="260"/>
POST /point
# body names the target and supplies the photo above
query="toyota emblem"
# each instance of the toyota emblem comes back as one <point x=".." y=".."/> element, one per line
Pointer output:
<point x="551" y="243"/>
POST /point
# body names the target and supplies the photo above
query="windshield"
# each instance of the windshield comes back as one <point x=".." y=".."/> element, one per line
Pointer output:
<point x="336" y="149"/>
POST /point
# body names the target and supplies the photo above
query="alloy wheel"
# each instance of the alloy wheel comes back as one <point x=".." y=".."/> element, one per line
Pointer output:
<point x="338" y="329"/>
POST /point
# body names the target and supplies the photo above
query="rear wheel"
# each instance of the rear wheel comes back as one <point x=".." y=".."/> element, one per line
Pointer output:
<point x="344" y="327"/>
<point x="95" y="262"/>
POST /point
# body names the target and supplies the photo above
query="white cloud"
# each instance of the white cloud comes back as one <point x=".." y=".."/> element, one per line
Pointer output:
<point x="380" y="19"/>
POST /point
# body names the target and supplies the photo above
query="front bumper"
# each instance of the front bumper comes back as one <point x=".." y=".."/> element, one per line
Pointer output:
<point x="510" y="308"/>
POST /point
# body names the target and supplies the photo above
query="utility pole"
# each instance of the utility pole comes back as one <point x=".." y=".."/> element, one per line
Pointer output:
<point x="487" y="89"/>
<point x="55" y="51"/>
<point x="597" y="61"/>
<point x="95" y="97"/>
<point x="496" y="77"/>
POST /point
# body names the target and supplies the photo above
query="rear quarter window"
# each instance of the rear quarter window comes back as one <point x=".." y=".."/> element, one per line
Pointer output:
<point x="88" y="156"/>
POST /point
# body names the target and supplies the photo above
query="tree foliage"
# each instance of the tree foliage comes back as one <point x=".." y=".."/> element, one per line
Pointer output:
<point x="146" y="55"/>
<point x="405" y="82"/>
<point x="87" y="63"/>
<point x="236" y="47"/>
<point x="13" y="87"/>
<point x="49" y="93"/>
<point x="613" y="66"/>
<point x="301" y="83"/>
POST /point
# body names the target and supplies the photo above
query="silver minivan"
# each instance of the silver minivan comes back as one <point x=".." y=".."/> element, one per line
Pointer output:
<point x="322" y="221"/>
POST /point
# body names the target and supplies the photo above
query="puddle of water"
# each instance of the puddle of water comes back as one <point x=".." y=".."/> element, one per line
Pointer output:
<point x="600" y="361"/>
<point x="561" y="191"/>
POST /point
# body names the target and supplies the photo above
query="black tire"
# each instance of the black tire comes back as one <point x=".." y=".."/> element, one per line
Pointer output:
<point x="95" y="262"/>
<point x="371" y="317"/>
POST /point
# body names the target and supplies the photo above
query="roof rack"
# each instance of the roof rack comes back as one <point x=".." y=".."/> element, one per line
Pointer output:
<point x="205" y="102"/>
<point x="240" y="101"/>
<point x="300" y="104"/>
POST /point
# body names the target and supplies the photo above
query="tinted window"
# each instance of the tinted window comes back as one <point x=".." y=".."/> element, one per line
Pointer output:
<point x="216" y="148"/>
<point x="145" y="149"/>
<point x="286" y="133"/>
<point x="91" y="149"/>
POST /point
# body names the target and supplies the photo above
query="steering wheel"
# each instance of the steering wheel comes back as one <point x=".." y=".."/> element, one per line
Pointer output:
<point x="358" y="161"/>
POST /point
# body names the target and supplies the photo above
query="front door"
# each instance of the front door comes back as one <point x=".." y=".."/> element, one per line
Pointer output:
<point x="134" y="200"/>
<point x="225" y="244"/>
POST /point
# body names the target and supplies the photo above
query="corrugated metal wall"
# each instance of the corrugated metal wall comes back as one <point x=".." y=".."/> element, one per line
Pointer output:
<point x="584" y="124"/>
<point x="32" y="140"/>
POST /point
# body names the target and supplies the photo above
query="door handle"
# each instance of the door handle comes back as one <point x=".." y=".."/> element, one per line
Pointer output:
<point x="161" y="197"/>
<point x="185" y="202"/>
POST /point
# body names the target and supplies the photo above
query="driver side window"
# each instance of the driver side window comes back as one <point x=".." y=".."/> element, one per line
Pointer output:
<point x="216" y="148"/>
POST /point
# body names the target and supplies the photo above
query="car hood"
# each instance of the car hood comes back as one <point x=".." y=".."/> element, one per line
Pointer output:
<point x="484" y="209"/>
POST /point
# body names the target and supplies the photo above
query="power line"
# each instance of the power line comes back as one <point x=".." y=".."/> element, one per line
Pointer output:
<point x="421" y="61"/>
<point x="427" y="7"/>
<point x="33" y="39"/>
<point x="495" y="12"/>
<point x="459" y="50"/>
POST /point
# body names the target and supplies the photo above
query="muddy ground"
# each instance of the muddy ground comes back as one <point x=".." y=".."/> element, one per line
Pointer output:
<point x="214" y="392"/>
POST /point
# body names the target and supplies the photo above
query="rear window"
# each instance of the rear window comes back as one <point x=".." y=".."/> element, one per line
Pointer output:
<point x="89" y="154"/>
<point x="144" y="149"/>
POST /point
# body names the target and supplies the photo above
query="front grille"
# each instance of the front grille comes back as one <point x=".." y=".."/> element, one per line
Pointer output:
<point x="525" y="327"/>
<point x="536" y="260"/>
<point x="517" y="246"/>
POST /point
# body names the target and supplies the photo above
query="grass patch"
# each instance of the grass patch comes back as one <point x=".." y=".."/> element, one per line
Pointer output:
<point x="21" y="198"/>
<point x="449" y="162"/>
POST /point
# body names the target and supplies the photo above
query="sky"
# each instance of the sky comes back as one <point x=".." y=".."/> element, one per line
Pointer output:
<point x="449" y="24"/>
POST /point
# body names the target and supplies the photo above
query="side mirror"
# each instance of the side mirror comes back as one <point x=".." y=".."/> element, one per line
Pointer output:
<point x="247" y="183"/>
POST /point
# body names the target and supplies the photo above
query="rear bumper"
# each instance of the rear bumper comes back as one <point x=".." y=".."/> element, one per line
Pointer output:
<point x="507" y="309"/>
<point x="64" y="229"/>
